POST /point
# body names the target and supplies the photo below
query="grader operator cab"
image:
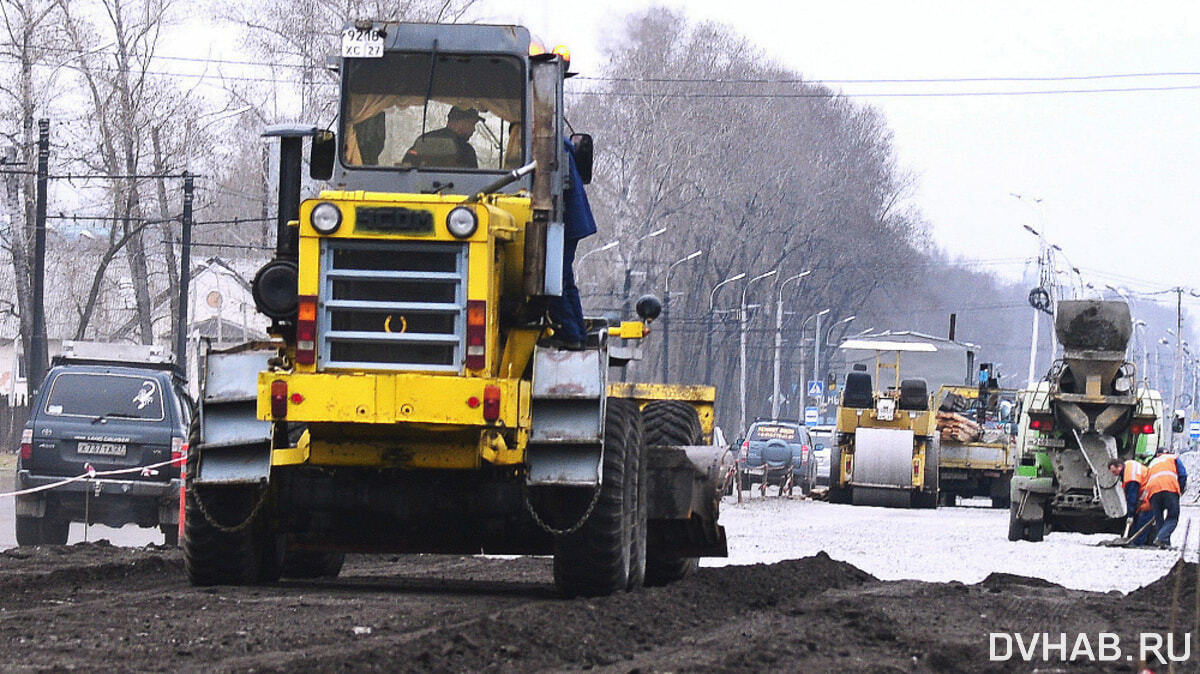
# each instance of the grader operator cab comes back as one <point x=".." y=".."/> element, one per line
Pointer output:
<point x="886" y="452"/>
<point x="406" y="402"/>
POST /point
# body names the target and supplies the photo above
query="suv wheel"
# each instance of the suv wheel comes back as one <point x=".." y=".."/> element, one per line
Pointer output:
<point x="42" y="531"/>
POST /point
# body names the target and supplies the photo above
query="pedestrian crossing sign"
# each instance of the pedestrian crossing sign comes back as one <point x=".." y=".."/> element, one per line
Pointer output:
<point x="816" y="388"/>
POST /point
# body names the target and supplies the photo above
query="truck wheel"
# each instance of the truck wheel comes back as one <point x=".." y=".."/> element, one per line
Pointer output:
<point x="999" y="491"/>
<point x="1035" y="531"/>
<point x="670" y="422"/>
<point x="1016" y="528"/>
<point x="42" y="530"/>
<point x="594" y="560"/>
<point x="310" y="564"/>
<point x="948" y="498"/>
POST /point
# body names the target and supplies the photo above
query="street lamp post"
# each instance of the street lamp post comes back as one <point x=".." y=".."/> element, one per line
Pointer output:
<point x="742" y="347"/>
<point x="803" y="382"/>
<point x="666" y="315"/>
<point x="1037" y="313"/>
<point x="817" y="345"/>
<point x="627" y="288"/>
<point x="608" y="246"/>
<point x="708" y="333"/>
<point x="779" y="341"/>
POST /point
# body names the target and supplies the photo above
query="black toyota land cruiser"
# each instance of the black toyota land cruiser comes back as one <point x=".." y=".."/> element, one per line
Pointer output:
<point x="93" y="415"/>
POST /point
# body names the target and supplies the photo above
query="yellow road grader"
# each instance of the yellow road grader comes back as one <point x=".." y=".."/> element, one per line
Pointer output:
<point x="886" y="449"/>
<point x="409" y="399"/>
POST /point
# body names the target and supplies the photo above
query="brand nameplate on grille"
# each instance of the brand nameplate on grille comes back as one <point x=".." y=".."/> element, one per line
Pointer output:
<point x="404" y="220"/>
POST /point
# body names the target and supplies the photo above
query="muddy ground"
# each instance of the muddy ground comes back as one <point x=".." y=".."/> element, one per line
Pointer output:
<point x="97" y="607"/>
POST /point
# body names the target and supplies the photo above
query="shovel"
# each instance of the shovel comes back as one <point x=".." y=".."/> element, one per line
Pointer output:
<point x="1124" y="541"/>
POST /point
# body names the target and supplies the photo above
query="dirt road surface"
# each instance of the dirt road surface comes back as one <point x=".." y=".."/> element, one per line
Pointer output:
<point x="100" y="607"/>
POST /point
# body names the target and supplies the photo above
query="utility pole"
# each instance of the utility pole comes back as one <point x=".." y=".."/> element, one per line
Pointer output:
<point x="185" y="270"/>
<point x="38" y="356"/>
<point x="816" y="352"/>
<point x="1177" y="374"/>
<point x="803" y="378"/>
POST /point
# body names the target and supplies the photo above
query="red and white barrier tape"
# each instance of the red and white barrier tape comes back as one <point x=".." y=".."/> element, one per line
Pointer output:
<point x="92" y="473"/>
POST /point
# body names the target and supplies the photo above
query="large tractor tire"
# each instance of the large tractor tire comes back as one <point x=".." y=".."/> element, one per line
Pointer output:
<point x="637" y="484"/>
<point x="226" y="537"/>
<point x="594" y="560"/>
<point x="670" y="422"/>
<point x="310" y="564"/>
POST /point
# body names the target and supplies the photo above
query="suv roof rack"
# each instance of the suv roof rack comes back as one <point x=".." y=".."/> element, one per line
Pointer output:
<point x="100" y="353"/>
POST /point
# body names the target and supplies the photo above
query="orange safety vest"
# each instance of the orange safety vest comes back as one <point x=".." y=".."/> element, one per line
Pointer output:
<point x="1162" y="475"/>
<point x="1136" y="471"/>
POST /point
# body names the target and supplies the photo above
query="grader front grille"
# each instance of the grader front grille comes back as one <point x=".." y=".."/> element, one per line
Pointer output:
<point x="392" y="306"/>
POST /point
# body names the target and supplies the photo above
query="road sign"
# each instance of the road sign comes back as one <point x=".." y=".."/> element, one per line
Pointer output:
<point x="810" y="415"/>
<point x="816" y="388"/>
<point x="1194" y="430"/>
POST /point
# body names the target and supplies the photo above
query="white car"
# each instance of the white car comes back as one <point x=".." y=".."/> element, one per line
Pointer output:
<point x="823" y="438"/>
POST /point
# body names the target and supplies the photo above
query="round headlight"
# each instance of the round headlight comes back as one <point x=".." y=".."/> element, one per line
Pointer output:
<point x="326" y="218"/>
<point x="462" y="222"/>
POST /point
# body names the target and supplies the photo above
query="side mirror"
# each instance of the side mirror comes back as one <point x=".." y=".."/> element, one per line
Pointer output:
<point x="321" y="155"/>
<point x="648" y="307"/>
<point x="583" y="155"/>
<point x="1179" y="422"/>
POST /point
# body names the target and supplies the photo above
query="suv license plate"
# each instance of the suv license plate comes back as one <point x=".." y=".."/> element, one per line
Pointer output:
<point x="102" y="448"/>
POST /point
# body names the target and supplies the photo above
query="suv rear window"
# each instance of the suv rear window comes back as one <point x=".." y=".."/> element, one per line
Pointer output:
<point x="775" y="431"/>
<point x="95" y="395"/>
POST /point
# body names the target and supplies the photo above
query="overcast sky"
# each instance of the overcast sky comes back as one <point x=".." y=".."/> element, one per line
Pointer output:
<point x="1115" y="171"/>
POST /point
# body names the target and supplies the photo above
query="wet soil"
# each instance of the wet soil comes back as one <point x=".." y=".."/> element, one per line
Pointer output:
<point x="95" y="607"/>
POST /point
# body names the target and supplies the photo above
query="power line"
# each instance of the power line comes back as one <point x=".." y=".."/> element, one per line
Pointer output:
<point x="894" y="94"/>
<point x="904" y="80"/>
<point x="694" y="80"/>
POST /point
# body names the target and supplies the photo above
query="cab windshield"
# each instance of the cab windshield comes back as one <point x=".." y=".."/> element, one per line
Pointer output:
<point x="452" y="112"/>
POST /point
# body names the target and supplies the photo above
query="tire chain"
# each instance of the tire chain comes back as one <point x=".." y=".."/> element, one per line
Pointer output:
<point x="571" y="529"/>
<point x="262" y="499"/>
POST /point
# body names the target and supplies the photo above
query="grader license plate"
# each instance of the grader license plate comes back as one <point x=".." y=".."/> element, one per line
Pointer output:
<point x="1049" y="442"/>
<point x="362" y="44"/>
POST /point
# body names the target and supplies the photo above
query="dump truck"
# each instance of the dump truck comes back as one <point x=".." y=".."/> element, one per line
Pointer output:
<point x="974" y="459"/>
<point x="412" y="397"/>
<point x="886" y="448"/>
<point x="1088" y="410"/>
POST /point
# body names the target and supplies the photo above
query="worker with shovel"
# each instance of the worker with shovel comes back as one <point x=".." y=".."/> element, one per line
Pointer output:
<point x="1165" y="480"/>
<point x="1132" y="475"/>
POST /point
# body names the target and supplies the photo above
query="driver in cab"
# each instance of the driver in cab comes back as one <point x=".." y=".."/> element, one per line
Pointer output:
<point x="447" y="147"/>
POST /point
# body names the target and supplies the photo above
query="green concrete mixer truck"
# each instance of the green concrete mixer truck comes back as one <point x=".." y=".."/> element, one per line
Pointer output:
<point x="1088" y="409"/>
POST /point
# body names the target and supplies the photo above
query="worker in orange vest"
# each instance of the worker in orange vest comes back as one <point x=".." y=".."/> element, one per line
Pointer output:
<point x="1132" y="475"/>
<point x="1165" y="480"/>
